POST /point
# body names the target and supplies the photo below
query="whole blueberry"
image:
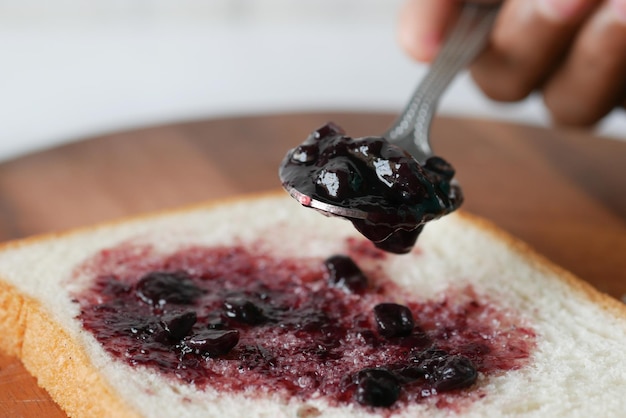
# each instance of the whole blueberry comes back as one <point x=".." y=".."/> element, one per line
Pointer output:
<point x="212" y="342"/>
<point x="377" y="387"/>
<point x="344" y="273"/>
<point x="393" y="320"/>
<point x="158" y="288"/>
<point x="456" y="372"/>
<point x="178" y="324"/>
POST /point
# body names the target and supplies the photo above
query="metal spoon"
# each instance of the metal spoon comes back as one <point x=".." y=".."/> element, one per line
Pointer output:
<point x="411" y="130"/>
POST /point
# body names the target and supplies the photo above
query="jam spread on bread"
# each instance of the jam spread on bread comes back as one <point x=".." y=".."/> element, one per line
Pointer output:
<point x="238" y="319"/>
<point x="374" y="176"/>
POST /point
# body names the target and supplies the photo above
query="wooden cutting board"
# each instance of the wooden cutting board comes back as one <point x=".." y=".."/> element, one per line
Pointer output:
<point x="563" y="192"/>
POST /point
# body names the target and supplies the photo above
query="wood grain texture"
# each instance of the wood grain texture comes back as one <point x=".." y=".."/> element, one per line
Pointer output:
<point x="560" y="191"/>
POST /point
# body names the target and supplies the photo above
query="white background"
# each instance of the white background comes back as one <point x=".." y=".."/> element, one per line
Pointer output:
<point x="70" y="69"/>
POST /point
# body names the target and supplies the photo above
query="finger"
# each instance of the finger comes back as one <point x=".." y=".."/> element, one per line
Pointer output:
<point x="423" y="24"/>
<point x="528" y="41"/>
<point x="592" y="80"/>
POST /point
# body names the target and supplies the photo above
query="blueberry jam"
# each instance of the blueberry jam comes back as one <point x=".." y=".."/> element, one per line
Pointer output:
<point x="237" y="319"/>
<point x="374" y="176"/>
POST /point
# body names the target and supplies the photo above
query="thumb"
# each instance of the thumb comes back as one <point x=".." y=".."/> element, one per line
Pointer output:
<point x="423" y="25"/>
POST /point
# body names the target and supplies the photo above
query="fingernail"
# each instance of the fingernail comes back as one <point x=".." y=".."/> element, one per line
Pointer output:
<point x="618" y="9"/>
<point x="561" y="10"/>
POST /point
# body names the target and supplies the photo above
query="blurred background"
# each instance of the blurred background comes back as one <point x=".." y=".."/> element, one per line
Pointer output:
<point x="71" y="69"/>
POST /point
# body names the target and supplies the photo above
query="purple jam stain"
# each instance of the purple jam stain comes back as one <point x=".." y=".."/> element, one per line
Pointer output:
<point x="239" y="320"/>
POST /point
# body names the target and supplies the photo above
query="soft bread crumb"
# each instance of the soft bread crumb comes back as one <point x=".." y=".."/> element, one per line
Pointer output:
<point x="579" y="368"/>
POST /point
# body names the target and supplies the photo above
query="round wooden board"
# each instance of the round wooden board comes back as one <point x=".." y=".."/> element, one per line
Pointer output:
<point x="560" y="191"/>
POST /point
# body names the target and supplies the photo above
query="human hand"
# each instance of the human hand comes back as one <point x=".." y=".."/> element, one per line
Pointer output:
<point x="573" y="51"/>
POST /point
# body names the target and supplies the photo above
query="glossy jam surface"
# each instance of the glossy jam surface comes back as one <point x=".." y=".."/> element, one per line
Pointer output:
<point x="371" y="175"/>
<point x="236" y="319"/>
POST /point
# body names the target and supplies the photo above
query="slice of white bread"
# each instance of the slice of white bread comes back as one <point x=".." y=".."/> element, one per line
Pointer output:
<point x="577" y="365"/>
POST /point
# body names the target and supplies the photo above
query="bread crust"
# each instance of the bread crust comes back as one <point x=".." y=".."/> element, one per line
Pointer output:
<point x="75" y="383"/>
<point x="68" y="375"/>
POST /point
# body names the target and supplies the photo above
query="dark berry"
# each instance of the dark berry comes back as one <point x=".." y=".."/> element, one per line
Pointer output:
<point x="212" y="342"/>
<point x="344" y="273"/>
<point x="429" y="360"/>
<point x="456" y="372"/>
<point x="445" y="371"/>
<point x="338" y="180"/>
<point x="178" y="325"/>
<point x="244" y="310"/>
<point x="410" y="374"/>
<point x="400" y="241"/>
<point x="328" y="130"/>
<point x="373" y="231"/>
<point x="386" y="238"/>
<point x="159" y="288"/>
<point x="374" y="176"/>
<point x="305" y="154"/>
<point x="393" y="320"/>
<point x="377" y="387"/>
<point x="440" y="166"/>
